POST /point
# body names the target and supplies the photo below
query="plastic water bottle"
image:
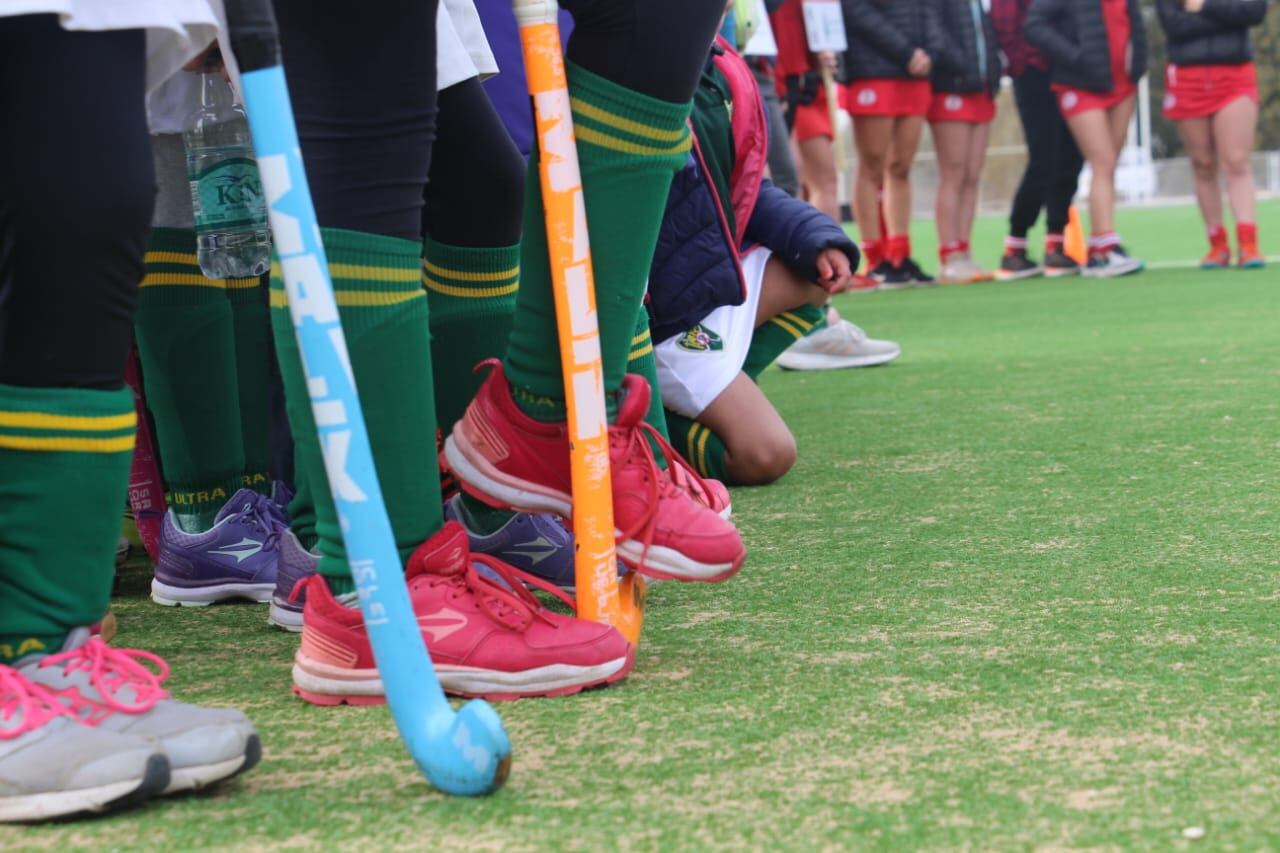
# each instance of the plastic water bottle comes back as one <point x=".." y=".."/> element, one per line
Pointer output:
<point x="232" y="236"/>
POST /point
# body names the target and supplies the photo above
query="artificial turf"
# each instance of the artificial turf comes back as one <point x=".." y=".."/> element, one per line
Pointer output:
<point x="1022" y="590"/>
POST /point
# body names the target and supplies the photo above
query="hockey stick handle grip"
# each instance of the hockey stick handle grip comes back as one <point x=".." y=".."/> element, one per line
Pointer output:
<point x="530" y="12"/>
<point x="254" y="36"/>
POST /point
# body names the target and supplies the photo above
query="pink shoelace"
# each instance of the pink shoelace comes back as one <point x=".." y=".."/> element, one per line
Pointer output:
<point x="113" y="671"/>
<point x="511" y="604"/>
<point x="33" y="702"/>
<point x="638" y="450"/>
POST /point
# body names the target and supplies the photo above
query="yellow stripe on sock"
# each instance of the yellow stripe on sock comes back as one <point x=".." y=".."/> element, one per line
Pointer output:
<point x="640" y="338"/>
<point x="613" y="143"/>
<point x="277" y="299"/>
<point x="690" y="441"/>
<point x="364" y="272"/>
<point x="357" y="298"/>
<point x="702" y="451"/>
<point x="778" y="321"/>
<point x="640" y="353"/>
<point x="241" y="283"/>
<point x="74" y="423"/>
<point x="804" y="324"/>
<point x="458" y="275"/>
<point x="67" y="444"/>
<point x="157" y="279"/>
<point x="469" y="292"/>
<point x="159" y="257"/>
<point x="625" y="124"/>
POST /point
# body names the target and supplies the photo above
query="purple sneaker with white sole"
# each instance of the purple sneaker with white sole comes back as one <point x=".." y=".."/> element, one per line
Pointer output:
<point x="234" y="559"/>
<point x="536" y="544"/>
<point x="296" y="565"/>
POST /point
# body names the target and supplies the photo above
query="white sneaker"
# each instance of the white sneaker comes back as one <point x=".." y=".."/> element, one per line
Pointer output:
<point x="962" y="269"/>
<point x="52" y="766"/>
<point x="114" y="690"/>
<point x="1113" y="263"/>
<point x="841" y="345"/>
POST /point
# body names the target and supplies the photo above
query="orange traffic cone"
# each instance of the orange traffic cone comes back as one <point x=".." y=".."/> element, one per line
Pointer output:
<point x="1073" y="242"/>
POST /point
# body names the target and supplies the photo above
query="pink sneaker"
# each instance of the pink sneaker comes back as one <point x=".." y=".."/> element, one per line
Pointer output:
<point x="486" y="638"/>
<point x="507" y="458"/>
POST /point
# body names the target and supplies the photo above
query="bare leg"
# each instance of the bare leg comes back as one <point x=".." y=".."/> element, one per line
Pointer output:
<point x="873" y="136"/>
<point x="783" y="290"/>
<point x="819" y="171"/>
<point x="979" y="135"/>
<point x="1092" y="133"/>
<point x="1197" y="138"/>
<point x="897" y="191"/>
<point x="951" y="141"/>
<point x="759" y="448"/>
<point x="1233" y="130"/>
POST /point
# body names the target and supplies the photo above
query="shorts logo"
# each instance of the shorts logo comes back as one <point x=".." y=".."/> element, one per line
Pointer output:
<point x="953" y="103"/>
<point x="699" y="339"/>
<point x="1170" y="101"/>
<point x="1069" y="100"/>
<point x="866" y="97"/>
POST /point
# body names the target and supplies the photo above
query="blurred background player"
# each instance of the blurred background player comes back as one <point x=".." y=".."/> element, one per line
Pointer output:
<point x="1212" y="94"/>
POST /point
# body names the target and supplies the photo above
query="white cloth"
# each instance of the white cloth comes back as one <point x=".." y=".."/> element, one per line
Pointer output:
<point x="462" y="51"/>
<point x="696" y="367"/>
<point x="177" y="30"/>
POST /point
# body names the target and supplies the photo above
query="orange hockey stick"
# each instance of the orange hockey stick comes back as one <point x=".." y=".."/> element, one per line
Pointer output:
<point x="601" y="597"/>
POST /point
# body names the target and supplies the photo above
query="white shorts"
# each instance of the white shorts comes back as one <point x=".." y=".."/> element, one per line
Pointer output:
<point x="696" y="367"/>
<point x="462" y="51"/>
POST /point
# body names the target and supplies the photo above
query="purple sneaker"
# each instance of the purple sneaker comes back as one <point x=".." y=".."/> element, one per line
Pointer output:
<point x="234" y="559"/>
<point x="296" y="565"/>
<point x="536" y="544"/>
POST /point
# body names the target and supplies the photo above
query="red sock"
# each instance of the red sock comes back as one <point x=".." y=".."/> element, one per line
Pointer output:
<point x="1246" y="235"/>
<point x="898" y="249"/>
<point x="1015" y="245"/>
<point x="963" y="245"/>
<point x="873" y="252"/>
<point x="1218" y="238"/>
<point x="946" y="250"/>
<point x="1054" y="242"/>
<point x="1099" y="244"/>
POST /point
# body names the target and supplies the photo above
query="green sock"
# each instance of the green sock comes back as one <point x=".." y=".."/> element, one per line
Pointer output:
<point x="380" y="298"/>
<point x="186" y="344"/>
<point x="629" y="147"/>
<point x="472" y="295"/>
<point x="64" y="458"/>
<point x="772" y="337"/>
<point x="642" y="362"/>
<point x="252" y="344"/>
<point x="482" y="518"/>
<point x="700" y="447"/>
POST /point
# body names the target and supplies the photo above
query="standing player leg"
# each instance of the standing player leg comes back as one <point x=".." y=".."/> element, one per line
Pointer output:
<point x="1197" y="137"/>
<point x="1233" y="132"/>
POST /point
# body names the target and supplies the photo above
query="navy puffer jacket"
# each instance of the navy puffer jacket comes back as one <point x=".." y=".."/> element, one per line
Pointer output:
<point x="1073" y="34"/>
<point x="958" y="57"/>
<point x="695" y="268"/>
<point x="883" y="34"/>
<point x="1216" y="35"/>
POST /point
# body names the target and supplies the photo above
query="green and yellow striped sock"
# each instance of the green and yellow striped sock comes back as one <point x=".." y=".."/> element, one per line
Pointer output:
<point x="629" y="147"/>
<point x="700" y="447"/>
<point x="771" y="338"/>
<point x="378" y="287"/>
<point x="472" y="295"/>
<point x="64" y="458"/>
<point x="186" y="337"/>
<point x="252" y="325"/>
<point x="642" y="363"/>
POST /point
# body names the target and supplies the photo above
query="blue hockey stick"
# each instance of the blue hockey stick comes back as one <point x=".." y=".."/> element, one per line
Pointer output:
<point x="466" y="753"/>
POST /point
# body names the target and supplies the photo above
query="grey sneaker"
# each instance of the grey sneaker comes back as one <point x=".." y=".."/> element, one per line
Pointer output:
<point x="52" y="766"/>
<point x="841" y="345"/>
<point x="115" y="690"/>
<point x="296" y="565"/>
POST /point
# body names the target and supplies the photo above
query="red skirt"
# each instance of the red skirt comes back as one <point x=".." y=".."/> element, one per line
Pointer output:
<point x="972" y="107"/>
<point x="1072" y="102"/>
<point x="888" y="97"/>
<point x="1199" y="91"/>
<point x="813" y="120"/>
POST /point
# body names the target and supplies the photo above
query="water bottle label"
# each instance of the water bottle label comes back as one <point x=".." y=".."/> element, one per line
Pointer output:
<point x="229" y="195"/>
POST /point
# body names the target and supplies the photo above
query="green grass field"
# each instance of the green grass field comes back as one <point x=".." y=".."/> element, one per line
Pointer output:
<point x="1022" y="590"/>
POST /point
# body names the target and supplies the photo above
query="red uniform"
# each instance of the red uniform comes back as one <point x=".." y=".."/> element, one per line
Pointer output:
<point x="888" y="97"/>
<point x="795" y="60"/>
<point x="1072" y="101"/>
<point x="1199" y="91"/>
<point x="970" y="107"/>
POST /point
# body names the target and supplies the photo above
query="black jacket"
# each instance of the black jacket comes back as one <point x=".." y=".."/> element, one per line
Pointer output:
<point x="1216" y="35"/>
<point x="1073" y="34"/>
<point x="884" y="33"/>
<point x="956" y="64"/>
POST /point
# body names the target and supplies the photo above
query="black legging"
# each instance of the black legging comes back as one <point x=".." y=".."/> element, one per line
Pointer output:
<point x="475" y="197"/>
<point x="76" y="192"/>
<point x="1054" y="161"/>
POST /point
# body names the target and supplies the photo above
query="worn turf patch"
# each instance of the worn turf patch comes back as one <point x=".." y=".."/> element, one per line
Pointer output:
<point x="1021" y="591"/>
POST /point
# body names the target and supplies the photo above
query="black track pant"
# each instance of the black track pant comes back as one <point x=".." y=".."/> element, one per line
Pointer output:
<point x="1053" y="167"/>
<point x="76" y="192"/>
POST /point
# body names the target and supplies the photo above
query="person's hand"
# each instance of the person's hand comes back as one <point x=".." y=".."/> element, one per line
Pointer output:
<point x="829" y="61"/>
<point x="835" y="274"/>
<point x="920" y="64"/>
<point x="1193" y="5"/>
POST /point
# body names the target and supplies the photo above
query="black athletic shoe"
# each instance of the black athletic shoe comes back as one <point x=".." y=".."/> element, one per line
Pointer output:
<point x="1058" y="265"/>
<point x="881" y="270"/>
<point x="893" y="278"/>
<point x="1015" y="266"/>
<point x="917" y="275"/>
